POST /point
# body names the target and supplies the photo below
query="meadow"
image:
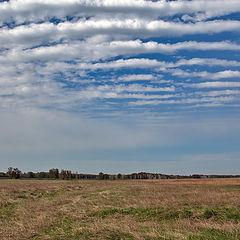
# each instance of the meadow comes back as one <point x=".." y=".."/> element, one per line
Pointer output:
<point x="120" y="209"/>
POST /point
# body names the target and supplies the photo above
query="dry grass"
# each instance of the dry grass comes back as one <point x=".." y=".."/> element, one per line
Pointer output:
<point x="134" y="209"/>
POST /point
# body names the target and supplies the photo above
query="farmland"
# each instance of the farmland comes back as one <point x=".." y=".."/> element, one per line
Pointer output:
<point x="120" y="209"/>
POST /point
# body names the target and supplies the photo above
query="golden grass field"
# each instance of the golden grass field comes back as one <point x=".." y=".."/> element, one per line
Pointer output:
<point x="120" y="209"/>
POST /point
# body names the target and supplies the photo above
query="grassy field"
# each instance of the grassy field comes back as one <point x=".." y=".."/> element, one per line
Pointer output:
<point x="127" y="209"/>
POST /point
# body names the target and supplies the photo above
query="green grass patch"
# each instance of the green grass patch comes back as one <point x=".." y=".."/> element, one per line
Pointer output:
<point x="145" y="213"/>
<point x="7" y="210"/>
<point x="63" y="229"/>
<point x="214" y="234"/>
<point x="223" y="213"/>
<point x="237" y="187"/>
<point x="160" y="213"/>
<point x="115" y="235"/>
<point x="59" y="229"/>
<point x="104" y="234"/>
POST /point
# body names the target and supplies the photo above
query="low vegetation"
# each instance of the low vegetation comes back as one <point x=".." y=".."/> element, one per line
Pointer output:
<point x="121" y="209"/>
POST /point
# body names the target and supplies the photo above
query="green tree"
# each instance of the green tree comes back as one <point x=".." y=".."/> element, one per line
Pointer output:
<point x="65" y="174"/>
<point x="54" y="173"/>
<point x="100" y="176"/>
<point x="30" y="174"/>
<point x="42" y="174"/>
<point x="14" y="173"/>
<point x="119" y="176"/>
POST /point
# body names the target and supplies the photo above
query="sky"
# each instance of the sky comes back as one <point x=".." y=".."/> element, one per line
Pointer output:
<point x="120" y="86"/>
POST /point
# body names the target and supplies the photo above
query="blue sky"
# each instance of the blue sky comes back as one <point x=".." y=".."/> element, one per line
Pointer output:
<point x="120" y="86"/>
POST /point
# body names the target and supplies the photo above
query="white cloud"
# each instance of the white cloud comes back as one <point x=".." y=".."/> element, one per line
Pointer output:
<point x="152" y="63"/>
<point x="125" y="63"/>
<point x="219" y="93"/>
<point x="45" y="33"/>
<point x="211" y="100"/>
<point x="90" y="50"/>
<point x="205" y="74"/>
<point x="136" y="77"/>
<point x="36" y="10"/>
<point x="216" y="85"/>
<point x="208" y="62"/>
<point x="115" y="91"/>
<point x="225" y="74"/>
<point x="33" y="54"/>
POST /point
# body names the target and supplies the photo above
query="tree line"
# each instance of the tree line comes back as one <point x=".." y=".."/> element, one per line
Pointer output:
<point x="54" y="173"/>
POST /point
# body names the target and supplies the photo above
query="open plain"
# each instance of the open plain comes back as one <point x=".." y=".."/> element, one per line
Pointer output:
<point x="120" y="209"/>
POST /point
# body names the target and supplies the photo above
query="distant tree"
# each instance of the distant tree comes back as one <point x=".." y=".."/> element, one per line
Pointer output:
<point x="3" y="175"/>
<point x="75" y="175"/>
<point x="30" y="174"/>
<point x="14" y="173"/>
<point x="54" y="173"/>
<point x="119" y="176"/>
<point x="65" y="174"/>
<point x="100" y="176"/>
<point x="62" y="174"/>
<point x="68" y="174"/>
<point x="42" y="175"/>
<point x="105" y="176"/>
